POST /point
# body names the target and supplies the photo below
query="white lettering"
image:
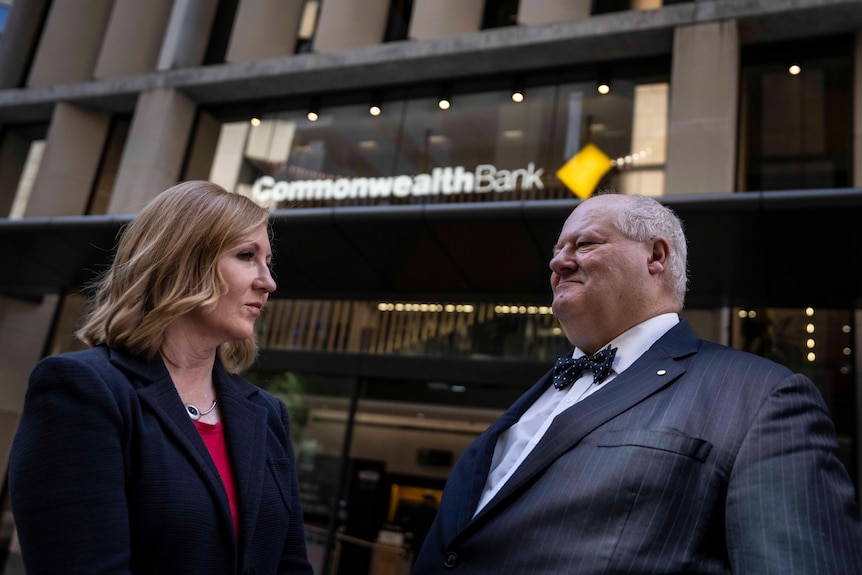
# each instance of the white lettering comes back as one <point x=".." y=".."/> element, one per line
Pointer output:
<point x="402" y="185"/>
<point x="441" y="180"/>
<point x="485" y="177"/>
<point x="259" y="192"/>
<point x="422" y="185"/>
<point x="341" y="189"/>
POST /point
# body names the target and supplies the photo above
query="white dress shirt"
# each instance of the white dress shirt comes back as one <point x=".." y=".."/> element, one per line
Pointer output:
<point x="516" y="443"/>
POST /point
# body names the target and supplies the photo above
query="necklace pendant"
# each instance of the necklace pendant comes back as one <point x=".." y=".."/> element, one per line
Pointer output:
<point x="195" y="412"/>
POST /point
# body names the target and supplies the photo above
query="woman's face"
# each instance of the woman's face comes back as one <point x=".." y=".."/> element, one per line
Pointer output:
<point x="245" y="267"/>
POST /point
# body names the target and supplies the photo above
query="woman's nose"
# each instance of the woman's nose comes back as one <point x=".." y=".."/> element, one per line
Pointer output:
<point x="266" y="281"/>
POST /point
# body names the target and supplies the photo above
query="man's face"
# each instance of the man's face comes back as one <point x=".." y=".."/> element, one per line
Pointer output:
<point x="599" y="277"/>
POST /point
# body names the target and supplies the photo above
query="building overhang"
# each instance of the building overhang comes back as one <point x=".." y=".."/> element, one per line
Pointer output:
<point x="778" y="249"/>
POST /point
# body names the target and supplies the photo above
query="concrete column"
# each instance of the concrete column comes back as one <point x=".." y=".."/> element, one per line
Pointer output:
<point x="347" y="24"/>
<point x="70" y="42"/>
<point x="702" y="135"/>
<point x="24" y="331"/>
<point x="155" y="148"/>
<point x="70" y="163"/>
<point x="133" y="39"/>
<point x="188" y="34"/>
<point x="264" y="29"/>
<point x="437" y="18"/>
<point x="857" y="127"/>
<point x="19" y="40"/>
<point x="550" y="11"/>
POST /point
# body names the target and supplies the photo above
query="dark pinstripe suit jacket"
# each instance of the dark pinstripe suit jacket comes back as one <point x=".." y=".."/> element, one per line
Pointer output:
<point x="697" y="459"/>
<point x="109" y="475"/>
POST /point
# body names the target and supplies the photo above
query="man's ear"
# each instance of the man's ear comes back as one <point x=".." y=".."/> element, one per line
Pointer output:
<point x="658" y="257"/>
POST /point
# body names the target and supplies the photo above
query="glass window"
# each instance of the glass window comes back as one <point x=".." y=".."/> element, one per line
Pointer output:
<point x="400" y="438"/>
<point x="513" y="331"/>
<point x="219" y="36"/>
<point x="21" y="149"/>
<point x="495" y="139"/>
<point x="500" y="13"/>
<point x="4" y="13"/>
<point x="108" y="169"/>
<point x="319" y="408"/>
<point x="796" y="117"/>
<point x="307" y="26"/>
<point x="398" y="21"/>
<point x="607" y="6"/>
<point x="815" y="342"/>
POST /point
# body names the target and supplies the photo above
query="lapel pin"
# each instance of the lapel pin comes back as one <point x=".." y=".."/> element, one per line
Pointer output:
<point x="661" y="372"/>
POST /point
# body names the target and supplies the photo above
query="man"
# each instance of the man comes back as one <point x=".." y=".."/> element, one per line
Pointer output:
<point x="675" y="456"/>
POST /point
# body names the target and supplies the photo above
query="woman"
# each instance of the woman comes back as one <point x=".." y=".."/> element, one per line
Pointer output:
<point x="148" y="453"/>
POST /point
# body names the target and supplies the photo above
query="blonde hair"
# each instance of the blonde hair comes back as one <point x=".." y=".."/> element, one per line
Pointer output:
<point x="165" y="266"/>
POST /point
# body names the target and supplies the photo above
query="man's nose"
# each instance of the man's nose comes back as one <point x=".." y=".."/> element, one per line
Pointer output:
<point x="561" y="262"/>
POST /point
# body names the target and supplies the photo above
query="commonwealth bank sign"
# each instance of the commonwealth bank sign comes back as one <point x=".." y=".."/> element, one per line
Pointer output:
<point x="486" y="178"/>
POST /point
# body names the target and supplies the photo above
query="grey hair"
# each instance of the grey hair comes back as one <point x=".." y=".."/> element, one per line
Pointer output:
<point x="643" y="219"/>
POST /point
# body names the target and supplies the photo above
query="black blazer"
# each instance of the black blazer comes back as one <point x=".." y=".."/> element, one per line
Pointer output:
<point x="108" y="474"/>
<point x="697" y="459"/>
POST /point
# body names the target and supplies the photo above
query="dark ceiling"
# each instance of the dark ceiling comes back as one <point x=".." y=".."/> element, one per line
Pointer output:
<point x="781" y="249"/>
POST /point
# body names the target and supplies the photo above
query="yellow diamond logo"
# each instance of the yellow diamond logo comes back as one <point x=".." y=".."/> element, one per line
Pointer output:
<point x="583" y="172"/>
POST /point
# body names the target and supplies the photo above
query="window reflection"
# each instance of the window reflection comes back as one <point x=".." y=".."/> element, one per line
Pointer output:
<point x="813" y="341"/>
<point x="486" y="146"/>
<point x="794" y="111"/>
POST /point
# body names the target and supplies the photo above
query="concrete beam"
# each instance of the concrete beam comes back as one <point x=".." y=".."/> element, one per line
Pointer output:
<point x="608" y="37"/>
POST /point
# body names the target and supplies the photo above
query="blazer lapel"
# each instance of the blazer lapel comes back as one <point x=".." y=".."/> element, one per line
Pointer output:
<point x="156" y="390"/>
<point x="245" y="425"/>
<point x="654" y="370"/>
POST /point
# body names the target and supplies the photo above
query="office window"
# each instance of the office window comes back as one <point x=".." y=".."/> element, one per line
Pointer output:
<point x="816" y="342"/>
<point x="495" y="139"/>
<point x="796" y="116"/>
<point x="500" y="13"/>
<point x="4" y="13"/>
<point x="398" y="21"/>
<point x="21" y="149"/>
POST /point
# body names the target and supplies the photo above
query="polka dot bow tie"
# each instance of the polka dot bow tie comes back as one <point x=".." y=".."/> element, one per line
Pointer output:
<point x="568" y="369"/>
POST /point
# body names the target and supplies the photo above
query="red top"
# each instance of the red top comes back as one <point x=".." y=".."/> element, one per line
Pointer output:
<point x="213" y="436"/>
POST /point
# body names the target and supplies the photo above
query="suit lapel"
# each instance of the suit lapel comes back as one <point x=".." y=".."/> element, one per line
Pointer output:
<point x="654" y="370"/>
<point x="476" y="473"/>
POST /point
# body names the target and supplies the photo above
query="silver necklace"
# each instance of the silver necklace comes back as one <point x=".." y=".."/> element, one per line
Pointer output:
<point x="195" y="412"/>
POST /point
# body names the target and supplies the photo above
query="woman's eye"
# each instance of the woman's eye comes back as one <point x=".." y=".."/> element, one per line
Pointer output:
<point x="246" y="256"/>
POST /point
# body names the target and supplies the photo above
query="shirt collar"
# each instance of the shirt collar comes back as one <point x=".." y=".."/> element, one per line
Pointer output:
<point x="632" y="343"/>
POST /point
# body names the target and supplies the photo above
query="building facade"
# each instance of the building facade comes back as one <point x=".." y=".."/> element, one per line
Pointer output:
<point x="411" y="152"/>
